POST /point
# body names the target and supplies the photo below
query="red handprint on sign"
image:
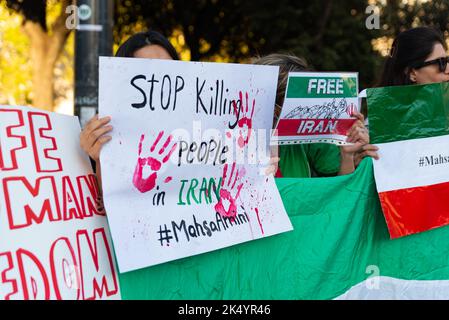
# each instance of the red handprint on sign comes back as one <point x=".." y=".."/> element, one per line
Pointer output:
<point x="226" y="196"/>
<point x="147" y="184"/>
<point x="245" y="124"/>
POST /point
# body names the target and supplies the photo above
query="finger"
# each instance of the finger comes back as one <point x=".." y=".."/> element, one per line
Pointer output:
<point x="360" y="130"/>
<point x="358" y="125"/>
<point x="94" y="118"/>
<point x="354" y="148"/>
<point x="94" y="135"/>
<point x="274" y="160"/>
<point x="271" y="170"/>
<point x="360" y="136"/>
<point x="84" y="141"/>
<point x="98" y="122"/>
<point x="358" y="116"/>
<point x="95" y="150"/>
<point x="86" y="130"/>
<point x="372" y="154"/>
<point x="349" y="134"/>
<point x="370" y="147"/>
<point x="352" y="135"/>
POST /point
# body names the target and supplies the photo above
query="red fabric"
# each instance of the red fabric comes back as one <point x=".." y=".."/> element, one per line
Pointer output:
<point x="413" y="210"/>
<point x="278" y="173"/>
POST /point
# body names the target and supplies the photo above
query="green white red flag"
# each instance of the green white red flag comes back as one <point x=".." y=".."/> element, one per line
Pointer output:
<point x="410" y="125"/>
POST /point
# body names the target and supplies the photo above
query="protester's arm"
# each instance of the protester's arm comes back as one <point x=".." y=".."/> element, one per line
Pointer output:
<point x="347" y="165"/>
<point x="358" y="135"/>
<point x="272" y="167"/>
<point x="368" y="150"/>
<point x="98" y="173"/>
<point x="273" y="163"/>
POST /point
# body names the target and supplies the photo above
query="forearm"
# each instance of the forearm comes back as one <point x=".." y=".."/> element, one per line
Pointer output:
<point x="347" y="163"/>
<point x="98" y="173"/>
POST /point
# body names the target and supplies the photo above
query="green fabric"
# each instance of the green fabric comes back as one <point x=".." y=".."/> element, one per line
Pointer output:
<point x="408" y="112"/>
<point x="339" y="231"/>
<point x="306" y="160"/>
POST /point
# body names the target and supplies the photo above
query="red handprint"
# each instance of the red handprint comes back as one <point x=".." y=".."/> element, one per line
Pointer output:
<point x="225" y="195"/>
<point x="147" y="184"/>
<point x="245" y="121"/>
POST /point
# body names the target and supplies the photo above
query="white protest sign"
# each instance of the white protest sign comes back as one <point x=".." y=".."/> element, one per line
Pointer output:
<point x="182" y="173"/>
<point x="318" y="107"/>
<point x="54" y="240"/>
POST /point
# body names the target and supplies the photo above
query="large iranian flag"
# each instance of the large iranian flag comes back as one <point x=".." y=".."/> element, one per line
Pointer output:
<point x="410" y="125"/>
<point x="339" y="249"/>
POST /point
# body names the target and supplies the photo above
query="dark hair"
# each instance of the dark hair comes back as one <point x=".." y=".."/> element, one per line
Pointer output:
<point x="409" y="48"/>
<point x="287" y="63"/>
<point x="142" y="39"/>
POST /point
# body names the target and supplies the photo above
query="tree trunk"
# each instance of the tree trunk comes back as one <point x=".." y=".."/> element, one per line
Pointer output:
<point x="45" y="50"/>
<point x="43" y="66"/>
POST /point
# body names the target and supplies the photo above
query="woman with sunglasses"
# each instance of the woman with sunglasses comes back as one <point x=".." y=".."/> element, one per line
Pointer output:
<point x="417" y="56"/>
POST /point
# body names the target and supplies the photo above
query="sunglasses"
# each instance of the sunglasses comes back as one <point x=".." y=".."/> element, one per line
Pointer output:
<point x="441" y="62"/>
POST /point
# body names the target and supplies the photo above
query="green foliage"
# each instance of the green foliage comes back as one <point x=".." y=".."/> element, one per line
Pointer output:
<point x="330" y="34"/>
<point x="15" y="63"/>
<point x="15" y="68"/>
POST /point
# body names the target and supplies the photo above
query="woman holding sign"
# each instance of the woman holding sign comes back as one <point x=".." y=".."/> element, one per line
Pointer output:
<point x="317" y="159"/>
<point x="150" y="45"/>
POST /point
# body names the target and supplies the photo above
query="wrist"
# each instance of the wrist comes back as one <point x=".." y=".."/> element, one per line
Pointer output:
<point x="346" y="155"/>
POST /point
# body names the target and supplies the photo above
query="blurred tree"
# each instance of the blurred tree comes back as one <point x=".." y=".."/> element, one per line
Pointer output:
<point x="330" y="34"/>
<point x="402" y="15"/>
<point x="47" y="34"/>
<point x="15" y="68"/>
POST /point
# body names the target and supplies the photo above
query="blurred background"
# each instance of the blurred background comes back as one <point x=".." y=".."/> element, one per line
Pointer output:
<point x="38" y="55"/>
